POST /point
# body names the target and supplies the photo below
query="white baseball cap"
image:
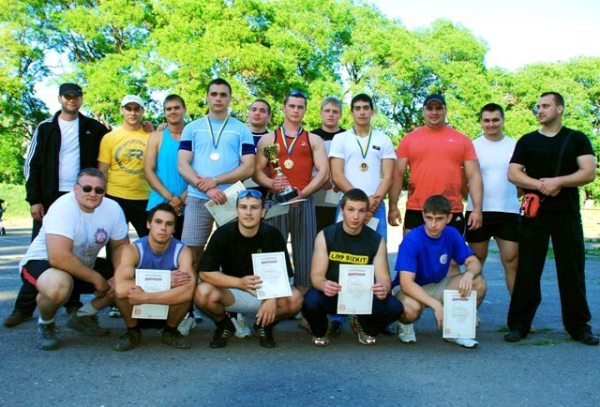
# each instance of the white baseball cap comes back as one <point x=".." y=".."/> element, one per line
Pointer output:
<point x="132" y="99"/>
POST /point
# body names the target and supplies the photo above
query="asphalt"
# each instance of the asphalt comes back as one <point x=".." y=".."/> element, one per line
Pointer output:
<point x="547" y="369"/>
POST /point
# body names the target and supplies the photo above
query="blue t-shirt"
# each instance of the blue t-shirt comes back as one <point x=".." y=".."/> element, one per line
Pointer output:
<point x="430" y="258"/>
<point x="168" y="260"/>
<point x="236" y="140"/>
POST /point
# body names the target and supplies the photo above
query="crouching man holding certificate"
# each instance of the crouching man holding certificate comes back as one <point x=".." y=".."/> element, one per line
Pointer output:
<point x="231" y="284"/>
<point x="346" y="258"/>
<point x="149" y="264"/>
<point x="423" y="262"/>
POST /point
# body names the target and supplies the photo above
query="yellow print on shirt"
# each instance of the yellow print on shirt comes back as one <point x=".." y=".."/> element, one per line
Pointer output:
<point x="348" y="258"/>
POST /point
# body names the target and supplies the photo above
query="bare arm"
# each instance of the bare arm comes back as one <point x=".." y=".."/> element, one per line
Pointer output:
<point x="125" y="271"/>
<point x="318" y="270"/>
<point x="321" y="165"/>
<point x="260" y="175"/>
<point x="184" y="166"/>
<point x="585" y="174"/>
<point x="387" y="171"/>
<point x="396" y="186"/>
<point x="337" y="174"/>
<point x="218" y="279"/>
<point x="383" y="283"/>
<point x="475" y="182"/>
<point x="104" y="168"/>
<point x="152" y="148"/>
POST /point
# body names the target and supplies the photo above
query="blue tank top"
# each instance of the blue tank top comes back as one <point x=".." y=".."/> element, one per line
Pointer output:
<point x="168" y="260"/>
<point x="166" y="170"/>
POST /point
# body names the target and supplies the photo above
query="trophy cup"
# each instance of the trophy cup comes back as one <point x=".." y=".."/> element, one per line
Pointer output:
<point x="271" y="151"/>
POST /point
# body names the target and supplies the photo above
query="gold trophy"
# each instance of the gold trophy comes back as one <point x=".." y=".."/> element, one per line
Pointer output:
<point x="271" y="151"/>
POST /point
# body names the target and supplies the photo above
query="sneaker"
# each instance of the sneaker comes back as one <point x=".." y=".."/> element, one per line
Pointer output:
<point x="464" y="342"/>
<point x="265" y="336"/>
<point x="241" y="329"/>
<point x="514" y="336"/>
<point x="588" y="338"/>
<point x="320" y="342"/>
<point x="175" y="339"/>
<point x="114" y="312"/>
<point x="128" y="341"/>
<point x="335" y="328"/>
<point x="406" y="333"/>
<point x="224" y="331"/>
<point x="16" y="318"/>
<point x="186" y="325"/>
<point x="363" y="337"/>
<point x="87" y="325"/>
<point x="46" y="339"/>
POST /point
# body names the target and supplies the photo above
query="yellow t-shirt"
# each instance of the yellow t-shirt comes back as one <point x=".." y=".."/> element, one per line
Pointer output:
<point x="124" y="152"/>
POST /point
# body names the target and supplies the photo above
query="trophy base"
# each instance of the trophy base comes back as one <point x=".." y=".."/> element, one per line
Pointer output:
<point x="285" y="196"/>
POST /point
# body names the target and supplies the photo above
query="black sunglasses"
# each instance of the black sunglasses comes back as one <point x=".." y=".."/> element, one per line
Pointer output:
<point x="252" y="192"/>
<point x="296" y="92"/>
<point x="88" y="188"/>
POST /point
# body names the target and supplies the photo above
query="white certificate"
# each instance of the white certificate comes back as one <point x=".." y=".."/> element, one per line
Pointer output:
<point x="356" y="295"/>
<point x="152" y="281"/>
<point x="460" y="315"/>
<point x="272" y="270"/>
<point x="326" y="198"/>
<point x="227" y="212"/>
<point x="277" y="210"/>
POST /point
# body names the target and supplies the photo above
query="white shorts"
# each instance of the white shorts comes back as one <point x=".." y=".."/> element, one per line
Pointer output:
<point x="244" y="302"/>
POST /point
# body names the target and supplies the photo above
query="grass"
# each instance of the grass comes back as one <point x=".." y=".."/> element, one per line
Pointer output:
<point x="543" y="342"/>
<point x="16" y="206"/>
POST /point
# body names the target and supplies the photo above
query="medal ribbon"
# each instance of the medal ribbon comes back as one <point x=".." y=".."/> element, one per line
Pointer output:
<point x="291" y="146"/>
<point x="366" y="150"/>
<point x="212" y="135"/>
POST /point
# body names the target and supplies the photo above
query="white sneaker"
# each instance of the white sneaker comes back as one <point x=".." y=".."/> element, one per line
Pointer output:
<point x="464" y="342"/>
<point x="406" y="333"/>
<point x="241" y="329"/>
<point x="186" y="325"/>
<point x="114" y="312"/>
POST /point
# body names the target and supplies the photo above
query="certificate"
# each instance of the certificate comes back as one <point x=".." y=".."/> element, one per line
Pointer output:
<point x="356" y="295"/>
<point x="272" y="270"/>
<point x="276" y="210"/>
<point x="152" y="281"/>
<point x="227" y="212"/>
<point x="460" y="315"/>
<point x="326" y="198"/>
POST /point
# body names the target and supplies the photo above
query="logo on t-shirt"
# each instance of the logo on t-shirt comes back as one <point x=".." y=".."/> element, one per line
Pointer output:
<point x="348" y="258"/>
<point x="101" y="236"/>
<point x="444" y="259"/>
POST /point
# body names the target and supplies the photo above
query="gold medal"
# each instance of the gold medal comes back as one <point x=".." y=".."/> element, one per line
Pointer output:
<point x="214" y="156"/>
<point x="364" y="166"/>
<point x="289" y="164"/>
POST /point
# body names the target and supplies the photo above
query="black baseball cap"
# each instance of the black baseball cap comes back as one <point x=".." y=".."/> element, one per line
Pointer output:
<point x="434" y="96"/>
<point x="70" y="89"/>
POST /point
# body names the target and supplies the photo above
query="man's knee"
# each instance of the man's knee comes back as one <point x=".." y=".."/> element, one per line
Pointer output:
<point x="412" y="308"/>
<point x="480" y="286"/>
<point x="55" y="286"/>
<point x="291" y="305"/>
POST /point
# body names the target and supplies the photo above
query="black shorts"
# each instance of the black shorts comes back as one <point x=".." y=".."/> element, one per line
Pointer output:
<point x="413" y="218"/>
<point x="33" y="269"/>
<point x="501" y="225"/>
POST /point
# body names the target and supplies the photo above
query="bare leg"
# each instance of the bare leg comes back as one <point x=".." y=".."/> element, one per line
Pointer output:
<point x="54" y="289"/>
<point x="509" y="255"/>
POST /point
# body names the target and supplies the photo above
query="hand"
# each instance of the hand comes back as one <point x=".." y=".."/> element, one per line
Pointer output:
<point x="368" y="217"/>
<point x="475" y="220"/>
<point x="176" y="203"/>
<point x="331" y="288"/>
<point x="147" y="126"/>
<point x="280" y="183"/>
<point x="394" y="217"/>
<point x="380" y="291"/>
<point x="136" y="295"/>
<point x="438" y="312"/>
<point x="374" y="201"/>
<point x="206" y="183"/>
<point x="101" y="286"/>
<point x="465" y="284"/>
<point x="250" y="283"/>
<point x="37" y="212"/>
<point x="179" y="278"/>
<point x="550" y="186"/>
<point x="217" y="196"/>
<point x="266" y="312"/>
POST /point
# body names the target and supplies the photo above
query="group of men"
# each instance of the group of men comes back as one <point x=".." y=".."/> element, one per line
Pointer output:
<point x="87" y="183"/>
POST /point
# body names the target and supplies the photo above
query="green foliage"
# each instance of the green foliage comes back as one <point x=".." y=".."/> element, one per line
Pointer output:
<point x="16" y="206"/>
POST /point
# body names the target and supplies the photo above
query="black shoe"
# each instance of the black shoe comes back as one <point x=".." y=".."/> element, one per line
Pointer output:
<point x="128" y="341"/>
<point x="47" y="337"/>
<point x="588" y="338"/>
<point x="335" y="328"/>
<point x="265" y="336"/>
<point x="224" y="331"/>
<point x="514" y="336"/>
<point x="16" y="318"/>
<point x="175" y="339"/>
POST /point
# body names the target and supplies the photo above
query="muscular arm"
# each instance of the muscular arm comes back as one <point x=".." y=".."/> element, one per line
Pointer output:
<point x="184" y="166"/>
<point x="395" y="190"/>
<point x="154" y="142"/>
<point x="321" y="165"/>
<point x="382" y="272"/>
<point x="260" y="175"/>
<point x="387" y="171"/>
<point x="586" y="172"/>
<point x="337" y="174"/>
<point x="475" y="182"/>
<point x="318" y="270"/>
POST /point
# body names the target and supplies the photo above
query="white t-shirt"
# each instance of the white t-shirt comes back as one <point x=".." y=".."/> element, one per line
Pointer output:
<point x="346" y="146"/>
<point x="499" y="195"/>
<point x="90" y="232"/>
<point x="68" y="157"/>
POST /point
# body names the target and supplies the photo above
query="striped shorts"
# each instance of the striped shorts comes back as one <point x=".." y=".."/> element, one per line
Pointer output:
<point x="197" y="222"/>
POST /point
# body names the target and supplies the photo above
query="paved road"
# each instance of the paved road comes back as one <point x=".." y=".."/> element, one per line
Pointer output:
<point x="548" y="369"/>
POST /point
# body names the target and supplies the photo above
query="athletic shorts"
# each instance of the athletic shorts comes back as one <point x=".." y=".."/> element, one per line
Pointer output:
<point x="436" y="290"/>
<point x="414" y="218"/>
<point x="244" y="302"/>
<point x="197" y="222"/>
<point x="501" y="225"/>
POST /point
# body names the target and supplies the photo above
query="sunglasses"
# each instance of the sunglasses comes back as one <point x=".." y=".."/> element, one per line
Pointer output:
<point x="250" y="192"/>
<point x="296" y="93"/>
<point x="88" y="188"/>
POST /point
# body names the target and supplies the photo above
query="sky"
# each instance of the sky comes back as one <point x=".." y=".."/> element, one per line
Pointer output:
<point x="518" y="32"/>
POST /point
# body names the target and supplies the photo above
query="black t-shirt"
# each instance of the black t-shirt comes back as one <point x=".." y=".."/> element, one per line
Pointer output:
<point x="230" y="252"/>
<point x="325" y="135"/>
<point x="257" y="136"/>
<point x="539" y="154"/>
<point x="343" y="248"/>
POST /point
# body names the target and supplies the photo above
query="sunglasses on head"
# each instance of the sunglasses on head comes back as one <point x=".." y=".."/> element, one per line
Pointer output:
<point x="250" y="192"/>
<point x="297" y="92"/>
<point x="88" y="188"/>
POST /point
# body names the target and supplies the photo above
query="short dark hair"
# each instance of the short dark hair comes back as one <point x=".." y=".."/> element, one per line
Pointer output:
<point x="174" y="97"/>
<point x="362" y="97"/>
<point x="165" y="207"/>
<point x="218" y="81"/>
<point x="296" y="93"/>
<point x="491" y="107"/>
<point x="355" y="194"/>
<point x="262" y="101"/>
<point x="91" y="172"/>
<point x="437" y="204"/>
<point x="560" y="101"/>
